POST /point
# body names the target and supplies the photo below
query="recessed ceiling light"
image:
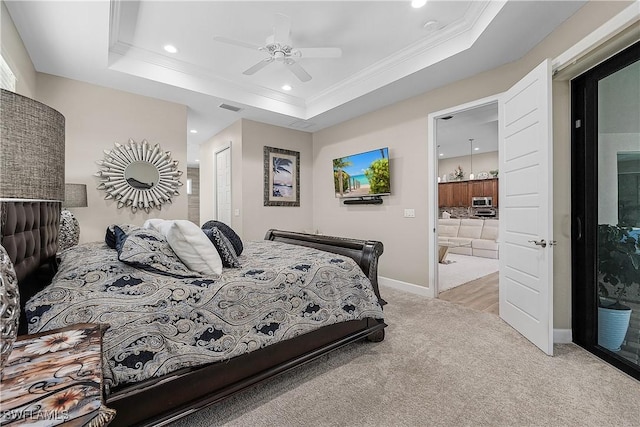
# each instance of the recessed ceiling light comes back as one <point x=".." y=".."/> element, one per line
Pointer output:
<point x="476" y="149"/>
<point x="170" y="48"/>
<point x="441" y="154"/>
<point x="197" y="160"/>
<point x="286" y="87"/>
<point x="418" y="3"/>
<point x="193" y="131"/>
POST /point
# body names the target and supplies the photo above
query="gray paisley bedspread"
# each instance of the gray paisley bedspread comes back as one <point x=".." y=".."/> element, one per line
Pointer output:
<point x="159" y="324"/>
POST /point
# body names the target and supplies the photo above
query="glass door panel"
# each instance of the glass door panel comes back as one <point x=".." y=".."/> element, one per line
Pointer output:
<point x="618" y="213"/>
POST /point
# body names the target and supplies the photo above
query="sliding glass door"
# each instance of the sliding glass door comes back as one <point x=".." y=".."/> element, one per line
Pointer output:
<point x="606" y="210"/>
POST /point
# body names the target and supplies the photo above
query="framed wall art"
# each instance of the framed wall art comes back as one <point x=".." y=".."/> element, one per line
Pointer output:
<point x="281" y="177"/>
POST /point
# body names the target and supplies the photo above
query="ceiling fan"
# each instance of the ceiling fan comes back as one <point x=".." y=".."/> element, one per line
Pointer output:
<point x="278" y="47"/>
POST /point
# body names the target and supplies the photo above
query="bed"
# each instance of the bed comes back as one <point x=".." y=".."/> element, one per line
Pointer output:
<point x="148" y="387"/>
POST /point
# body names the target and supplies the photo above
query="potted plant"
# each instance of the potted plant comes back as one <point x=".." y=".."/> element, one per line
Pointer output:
<point x="457" y="173"/>
<point x="618" y="270"/>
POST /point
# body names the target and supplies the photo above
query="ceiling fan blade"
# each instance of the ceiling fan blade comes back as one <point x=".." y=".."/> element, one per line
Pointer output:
<point x="236" y="43"/>
<point x="259" y="66"/>
<point x="319" y="52"/>
<point x="298" y="71"/>
<point x="282" y="29"/>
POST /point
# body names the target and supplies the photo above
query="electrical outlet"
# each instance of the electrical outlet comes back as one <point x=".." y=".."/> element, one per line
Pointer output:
<point x="409" y="213"/>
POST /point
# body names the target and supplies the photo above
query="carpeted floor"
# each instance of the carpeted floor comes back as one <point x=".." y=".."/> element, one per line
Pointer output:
<point x="463" y="269"/>
<point x="440" y="364"/>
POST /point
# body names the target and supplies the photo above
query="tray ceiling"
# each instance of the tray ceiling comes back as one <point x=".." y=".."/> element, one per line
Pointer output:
<point x="390" y="51"/>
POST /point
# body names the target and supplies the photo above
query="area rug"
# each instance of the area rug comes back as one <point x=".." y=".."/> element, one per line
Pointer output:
<point x="440" y="364"/>
<point x="463" y="269"/>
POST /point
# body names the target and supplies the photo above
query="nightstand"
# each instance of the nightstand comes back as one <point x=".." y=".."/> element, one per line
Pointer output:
<point x="55" y="378"/>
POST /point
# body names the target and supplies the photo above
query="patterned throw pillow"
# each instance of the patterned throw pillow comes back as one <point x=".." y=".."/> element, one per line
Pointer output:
<point x="228" y="232"/>
<point x="223" y="246"/>
<point x="110" y="235"/>
<point x="149" y="250"/>
<point x="190" y="244"/>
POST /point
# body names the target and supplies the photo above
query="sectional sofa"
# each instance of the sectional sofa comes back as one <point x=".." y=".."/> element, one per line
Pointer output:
<point x="477" y="237"/>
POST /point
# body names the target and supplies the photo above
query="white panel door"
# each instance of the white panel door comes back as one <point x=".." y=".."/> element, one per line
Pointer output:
<point x="526" y="191"/>
<point x="223" y="185"/>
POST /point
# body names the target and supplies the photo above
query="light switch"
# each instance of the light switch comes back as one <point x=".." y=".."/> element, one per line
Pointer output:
<point x="409" y="213"/>
<point x="236" y="212"/>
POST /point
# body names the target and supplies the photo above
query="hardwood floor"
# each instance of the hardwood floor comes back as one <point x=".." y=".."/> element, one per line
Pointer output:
<point x="480" y="294"/>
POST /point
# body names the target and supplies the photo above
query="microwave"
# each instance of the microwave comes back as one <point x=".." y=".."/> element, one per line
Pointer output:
<point x="481" y="202"/>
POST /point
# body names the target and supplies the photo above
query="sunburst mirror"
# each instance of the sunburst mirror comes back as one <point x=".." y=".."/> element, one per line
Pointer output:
<point x="139" y="176"/>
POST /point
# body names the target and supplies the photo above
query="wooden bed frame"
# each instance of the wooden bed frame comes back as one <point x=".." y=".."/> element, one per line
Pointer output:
<point x="159" y="401"/>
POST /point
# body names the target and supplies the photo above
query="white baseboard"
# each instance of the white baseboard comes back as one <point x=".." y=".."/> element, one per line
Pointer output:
<point x="562" y="336"/>
<point x="406" y="287"/>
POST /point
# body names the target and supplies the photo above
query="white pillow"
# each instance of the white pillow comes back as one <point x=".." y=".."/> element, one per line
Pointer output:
<point x="154" y="224"/>
<point x="189" y="242"/>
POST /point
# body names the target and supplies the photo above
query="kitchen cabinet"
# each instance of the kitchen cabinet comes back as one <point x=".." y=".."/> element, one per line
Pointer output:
<point x="445" y="195"/>
<point x="459" y="193"/>
<point x="483" y="188"/>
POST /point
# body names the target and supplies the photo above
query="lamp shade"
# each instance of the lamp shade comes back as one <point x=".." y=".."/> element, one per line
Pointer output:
<point x="75" y="196"/>
<point x="31" y="149"/>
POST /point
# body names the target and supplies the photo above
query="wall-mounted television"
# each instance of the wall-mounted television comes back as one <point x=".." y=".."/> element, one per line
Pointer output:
<point x="362" y="175"/>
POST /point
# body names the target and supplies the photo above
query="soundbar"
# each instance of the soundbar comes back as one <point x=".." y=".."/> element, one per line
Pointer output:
<point x="364" y="201"/>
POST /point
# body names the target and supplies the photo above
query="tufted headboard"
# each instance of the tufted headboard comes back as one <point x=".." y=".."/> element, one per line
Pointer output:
<point x="29" y="233"/>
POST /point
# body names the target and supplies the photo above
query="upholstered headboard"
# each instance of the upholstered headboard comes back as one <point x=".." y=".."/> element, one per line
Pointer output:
<point x="29" y="233"/>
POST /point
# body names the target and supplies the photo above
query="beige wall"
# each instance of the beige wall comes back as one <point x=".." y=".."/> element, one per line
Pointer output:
<point x="483" y="162"/>
<point x="14" y="52"/>
<point x="257" y="217"/>
<point x="403" y="127"/>
<point x="231" y="136"/>
<point x="248" y="178"/>
<point x="96" y="118"/>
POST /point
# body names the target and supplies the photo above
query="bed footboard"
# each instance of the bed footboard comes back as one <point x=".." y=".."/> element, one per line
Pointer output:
<point x="364" y="252"/>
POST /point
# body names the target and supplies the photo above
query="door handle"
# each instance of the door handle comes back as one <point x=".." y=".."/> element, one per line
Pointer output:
<point x="579" y="226"/>
<point x="540" y="242"/>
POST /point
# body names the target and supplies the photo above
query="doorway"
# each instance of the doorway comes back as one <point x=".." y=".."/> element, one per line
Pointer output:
<point x="222" y="160"/>
<point x="467" y="169"/>
<point x="525" y="225"/>
<point x="465" y="138"/>
<point x="606" y="210"/>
